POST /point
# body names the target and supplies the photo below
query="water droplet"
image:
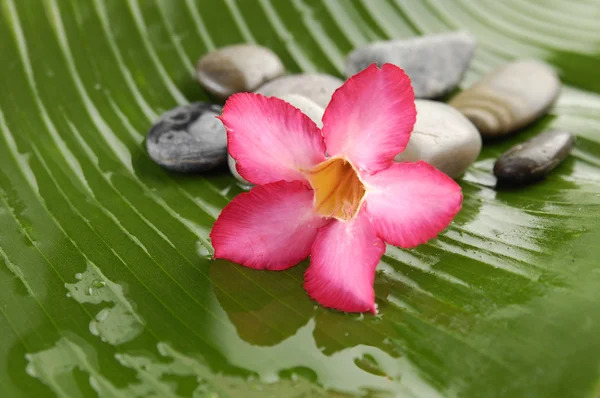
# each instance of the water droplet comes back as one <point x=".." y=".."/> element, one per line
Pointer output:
<point x="94" y="286"/>
<point x="163" y="349"/>
<point x="31" y="369"/>
<point x="204" y="251"/>
<point x="94" y="328"/>
<point x="98" y="283"/>
<point x="346" y="334"/>
<point x="117" y="322"/>
<point x="78" y="276"/>
<point x="102" y="315"/>
<point x="69" y="294"/>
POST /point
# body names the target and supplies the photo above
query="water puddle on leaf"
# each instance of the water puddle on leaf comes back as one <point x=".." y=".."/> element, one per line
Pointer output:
<point x="155" y="377"/>
<point x="358" y="368"/>
<point x="114" y="324"/>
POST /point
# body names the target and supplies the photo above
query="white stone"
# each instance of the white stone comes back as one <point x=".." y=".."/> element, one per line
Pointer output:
<point x="308" y="107"/>
<point x="442" y="137"/>
<point x="317" y="87"/>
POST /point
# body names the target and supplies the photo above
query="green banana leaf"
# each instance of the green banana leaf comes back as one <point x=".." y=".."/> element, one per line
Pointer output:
<point x="106" y="284"/>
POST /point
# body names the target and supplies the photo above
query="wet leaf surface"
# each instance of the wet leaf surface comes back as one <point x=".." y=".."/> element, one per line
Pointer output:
<point x="106" y="287"/>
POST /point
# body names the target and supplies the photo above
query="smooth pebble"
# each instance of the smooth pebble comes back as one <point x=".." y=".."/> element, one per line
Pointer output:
<point x="435" y="63"/>
<point x="237" y="68"/>
<point x="535" y="158"/>
<point x="188" y="138"/>
<point x="510" y="97"/>
<point x="443" y="137"/>
<point x="308" y="107"/>
<point x="317" y="87"/>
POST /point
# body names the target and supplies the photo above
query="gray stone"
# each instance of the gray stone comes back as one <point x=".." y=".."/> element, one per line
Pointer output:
<point x="237" y="68"/>
<point x="309" y="108"/>
<point x="510" y="97"/>
<point x="189" y="138"/>
<point x="435" y="64"/>
<point x="533" y="159"/>
<point x="317" y="87"/>
<point x="442" y="137"/>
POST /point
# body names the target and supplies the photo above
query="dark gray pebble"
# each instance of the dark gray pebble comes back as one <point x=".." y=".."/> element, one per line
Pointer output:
<point x="189" y="138"/>
<point x="533" y="159"/>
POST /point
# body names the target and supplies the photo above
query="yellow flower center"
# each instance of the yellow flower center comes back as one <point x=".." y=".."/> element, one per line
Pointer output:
<point x="338" y="188"/>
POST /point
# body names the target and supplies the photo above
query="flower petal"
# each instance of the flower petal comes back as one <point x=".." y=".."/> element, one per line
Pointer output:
<point x="270" y="139"/>
<point x="342" y="265"/>
<point x="271" y="227"/>
<point x="370" y="118"/>
<point x="410" y="203"/>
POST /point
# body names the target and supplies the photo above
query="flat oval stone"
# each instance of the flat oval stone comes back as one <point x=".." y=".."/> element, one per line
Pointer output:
<point x="308" y="107"/>
<point x="442" y="137"/>
<point x="237" y="68"/>
<point x="189" y="138"/>
<point x="317" y="87"/>
<point x="534" y="158"/>
<point x="510" y="97"/>
<point x="434" y="63"/>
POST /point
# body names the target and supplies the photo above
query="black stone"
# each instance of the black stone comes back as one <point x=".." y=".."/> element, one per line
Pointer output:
<point x="189" y="138"/>
<point x="534" y="158"/>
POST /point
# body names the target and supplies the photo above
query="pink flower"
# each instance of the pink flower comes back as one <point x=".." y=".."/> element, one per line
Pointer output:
<point x="340" y="209"/>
